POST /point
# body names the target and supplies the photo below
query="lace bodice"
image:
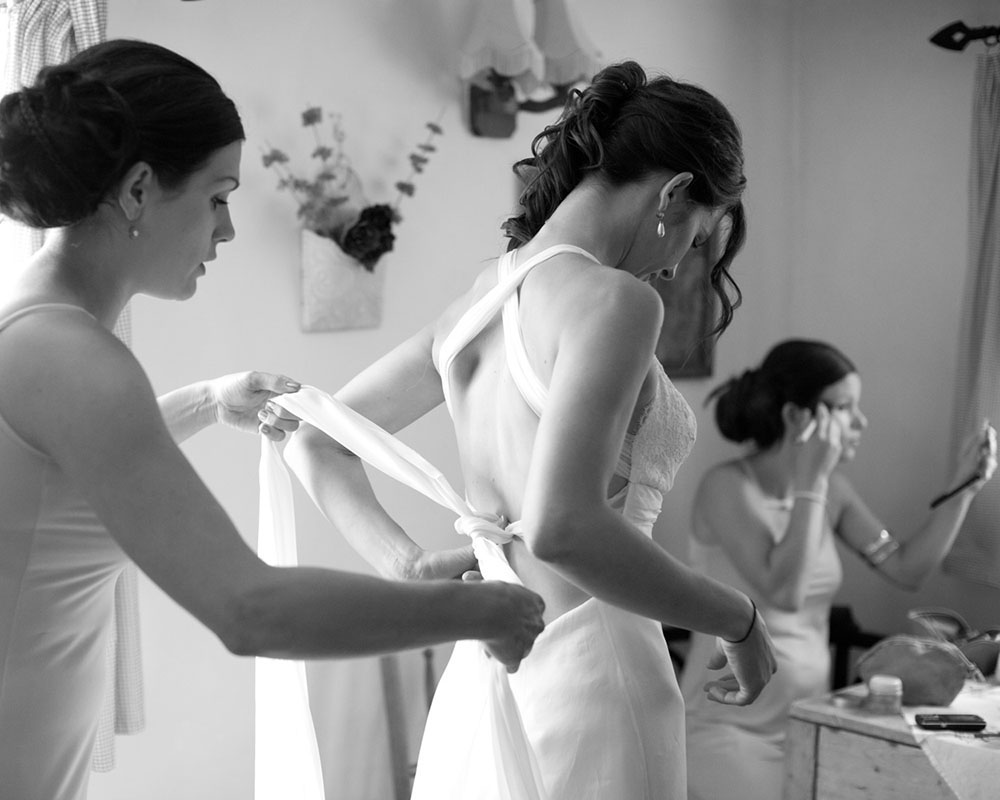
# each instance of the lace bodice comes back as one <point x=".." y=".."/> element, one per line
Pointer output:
<point x="664" y="438"/>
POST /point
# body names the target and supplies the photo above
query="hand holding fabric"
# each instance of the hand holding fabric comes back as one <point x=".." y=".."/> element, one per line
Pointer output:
<point x="451" y="563"/>
<point x="241" y="401"/>
<point x="524" y="619"/>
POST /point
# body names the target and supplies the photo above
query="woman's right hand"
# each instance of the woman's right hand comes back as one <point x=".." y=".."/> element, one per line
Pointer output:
<point x="751" y="664"/>
<point x="433" y="564"/>
<point x="817" y="446"/>
<point x="520" y="612"/>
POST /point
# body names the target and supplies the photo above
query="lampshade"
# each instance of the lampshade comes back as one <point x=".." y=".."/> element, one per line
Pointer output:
<point x="501" y="41"/>
<point x="569" y="54"/>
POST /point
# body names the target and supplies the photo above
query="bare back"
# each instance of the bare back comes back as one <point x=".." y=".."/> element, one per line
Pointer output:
<point x="494" y="424"/>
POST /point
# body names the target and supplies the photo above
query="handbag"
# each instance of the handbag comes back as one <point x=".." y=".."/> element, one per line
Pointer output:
<point x="980" y="647"/>
<point x="933" y="672"/>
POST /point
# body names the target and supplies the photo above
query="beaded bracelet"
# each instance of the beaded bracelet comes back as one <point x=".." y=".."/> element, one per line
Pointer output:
<point x="815" y="497"/>
<point x="753" y="622"/>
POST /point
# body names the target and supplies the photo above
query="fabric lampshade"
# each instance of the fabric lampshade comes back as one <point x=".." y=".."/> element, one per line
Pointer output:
<point x="501" y="40"/>
<point x="570" y="55"/>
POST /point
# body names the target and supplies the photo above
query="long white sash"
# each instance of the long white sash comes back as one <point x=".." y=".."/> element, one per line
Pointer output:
<point x="286" y="754"/>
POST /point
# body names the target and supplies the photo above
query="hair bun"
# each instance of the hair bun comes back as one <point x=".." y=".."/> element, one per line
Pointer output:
<point x="739" y="402"/>
<point x="610" y="89"/>
<point x="44" y="130"/>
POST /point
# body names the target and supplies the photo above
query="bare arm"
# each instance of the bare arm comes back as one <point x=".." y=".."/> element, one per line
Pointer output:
<point x="605" y="347"/>
<point x="773" y="549"/>
<point x="112" y="443"/>
<point x="606" y="338"/>
<point x="923" y="550"/>
<point x="396" y="390"/>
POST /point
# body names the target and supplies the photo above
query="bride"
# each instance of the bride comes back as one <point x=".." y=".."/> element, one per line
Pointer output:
<point x="567" y="425"/>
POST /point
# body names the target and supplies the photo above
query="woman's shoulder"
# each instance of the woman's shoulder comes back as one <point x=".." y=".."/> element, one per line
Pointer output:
<point x="60" y="347"/>
<point x="63" y="367"/>
<point x="731" y="471"/>
<point x="577" y="294"/>
<point x="484" y="280"/>
<point x="723" y="484"/>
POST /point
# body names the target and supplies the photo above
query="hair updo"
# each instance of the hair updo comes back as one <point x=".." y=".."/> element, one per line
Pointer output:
<point x="626" y="127"/>
<point x="67" y="140"/>
<point x="748" y="407"/>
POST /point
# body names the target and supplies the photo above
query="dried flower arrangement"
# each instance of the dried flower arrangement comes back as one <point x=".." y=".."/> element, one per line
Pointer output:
<point x="332" y="203"/>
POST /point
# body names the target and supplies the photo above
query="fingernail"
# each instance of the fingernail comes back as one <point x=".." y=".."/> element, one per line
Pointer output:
<point x="293" y="385"/>
<point x="265" y="429"/>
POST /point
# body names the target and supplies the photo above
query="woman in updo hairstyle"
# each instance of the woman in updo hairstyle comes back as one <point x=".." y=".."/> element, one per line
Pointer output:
<point x="765" y="523"/>
<point x="570" y="434"/>
<point x="128" y="154"/>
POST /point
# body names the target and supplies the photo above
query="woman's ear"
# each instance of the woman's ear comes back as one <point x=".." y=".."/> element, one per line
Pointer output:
<point x="133" y="190"/>
<point x="671" y="189"/>
<point x="794" y="417"/>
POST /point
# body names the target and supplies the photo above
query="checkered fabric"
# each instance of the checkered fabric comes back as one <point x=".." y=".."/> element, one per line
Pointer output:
<point x="976" y="553"/>
<point x="40" y="33"/>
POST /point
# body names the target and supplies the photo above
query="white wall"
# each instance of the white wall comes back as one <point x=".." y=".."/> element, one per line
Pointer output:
<point x="856" y="135"/>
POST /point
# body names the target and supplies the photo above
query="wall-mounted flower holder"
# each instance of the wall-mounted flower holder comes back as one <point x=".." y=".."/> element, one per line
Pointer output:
<point x="338" y="292"/>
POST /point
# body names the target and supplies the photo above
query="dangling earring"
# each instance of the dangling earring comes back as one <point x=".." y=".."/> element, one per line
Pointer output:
<point x="661" y="229"/>
<point x="670" y="273"/>
<point x="133" y="232"/>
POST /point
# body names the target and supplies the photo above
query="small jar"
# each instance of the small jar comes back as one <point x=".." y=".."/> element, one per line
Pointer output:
<point x="885" y="695"/>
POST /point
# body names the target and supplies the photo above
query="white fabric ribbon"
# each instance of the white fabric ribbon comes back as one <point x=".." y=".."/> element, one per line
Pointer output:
<point x="286" y="752"/>
<point x="286" y="756"/>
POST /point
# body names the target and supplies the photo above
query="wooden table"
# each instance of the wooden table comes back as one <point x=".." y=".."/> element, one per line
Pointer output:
<point x="837" y="751"/>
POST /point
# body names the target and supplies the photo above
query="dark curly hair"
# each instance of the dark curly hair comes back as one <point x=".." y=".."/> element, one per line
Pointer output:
<point x="625" y="127"/>
<point x="68" y="139"/>
<point x="748" y="407"/>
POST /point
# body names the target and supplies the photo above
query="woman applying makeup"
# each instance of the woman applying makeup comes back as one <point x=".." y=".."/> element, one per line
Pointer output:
<point x="765" y="523"/>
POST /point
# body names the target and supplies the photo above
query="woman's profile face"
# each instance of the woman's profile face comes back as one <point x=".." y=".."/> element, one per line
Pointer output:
<point x="843" y="398"/>
<point x="187" y="225"/>
<point x="691" y="232"/>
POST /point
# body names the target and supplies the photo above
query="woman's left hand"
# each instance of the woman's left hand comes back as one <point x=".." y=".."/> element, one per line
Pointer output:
<point x="242" y="402"/>
<point x="979" y="456"/>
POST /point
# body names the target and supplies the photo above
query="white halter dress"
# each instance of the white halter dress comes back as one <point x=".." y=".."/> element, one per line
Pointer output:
<point x="597" y="694"/>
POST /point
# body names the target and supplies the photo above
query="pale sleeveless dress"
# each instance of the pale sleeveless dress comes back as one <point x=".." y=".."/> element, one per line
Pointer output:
<point x="597" y="694"/>
<point x="58" y="569"/>
<point x="737" y="753"/>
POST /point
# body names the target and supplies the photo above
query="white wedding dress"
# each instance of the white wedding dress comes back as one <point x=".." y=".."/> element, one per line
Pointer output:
<point x="597" y="694"/>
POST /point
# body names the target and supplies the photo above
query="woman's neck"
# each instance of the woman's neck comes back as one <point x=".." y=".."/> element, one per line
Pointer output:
<point x="594" y="217"/>
<point x="774" y="471"/>
<point x="70" y="268"/>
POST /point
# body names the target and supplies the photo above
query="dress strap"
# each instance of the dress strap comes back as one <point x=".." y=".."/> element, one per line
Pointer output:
<point x="479" y="315"/>
<point x="39" y="307"/>
<point x="526" y="379"/>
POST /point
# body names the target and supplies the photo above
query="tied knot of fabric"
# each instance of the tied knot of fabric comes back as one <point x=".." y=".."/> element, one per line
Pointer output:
<point x="486" y="526"/>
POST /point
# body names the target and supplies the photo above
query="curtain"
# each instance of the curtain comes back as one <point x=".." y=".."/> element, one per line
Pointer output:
<point x="976" y="553"/>
<point x="40" y="33"/>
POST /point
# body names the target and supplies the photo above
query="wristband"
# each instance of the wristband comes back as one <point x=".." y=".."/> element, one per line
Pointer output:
<point x="753" y="623"/>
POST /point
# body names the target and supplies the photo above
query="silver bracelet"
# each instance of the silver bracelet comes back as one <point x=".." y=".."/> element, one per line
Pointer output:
<point x="880" y="548"/>
<point x="814" y="497"/>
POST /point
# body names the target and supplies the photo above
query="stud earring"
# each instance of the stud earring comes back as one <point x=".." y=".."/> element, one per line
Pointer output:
<point x="661" y="229"/>
<point x="133" y="232"/>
